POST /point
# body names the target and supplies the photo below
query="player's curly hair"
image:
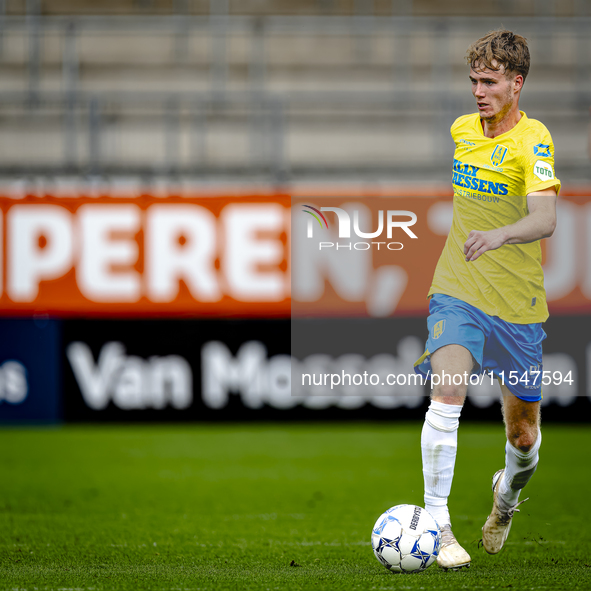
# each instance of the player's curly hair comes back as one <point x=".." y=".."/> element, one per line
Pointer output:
<point x="503" y="47"/>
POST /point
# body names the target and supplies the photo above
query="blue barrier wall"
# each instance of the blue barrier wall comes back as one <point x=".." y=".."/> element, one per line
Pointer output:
<point x="30" y="370"/>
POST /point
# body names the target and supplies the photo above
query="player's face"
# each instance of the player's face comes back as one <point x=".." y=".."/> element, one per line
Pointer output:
<point x="495" y="93"/>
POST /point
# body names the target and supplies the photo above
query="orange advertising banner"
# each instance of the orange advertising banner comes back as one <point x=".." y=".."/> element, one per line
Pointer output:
<point x="248" y="256"/>
<point x="145" y="256"/>
<point x="390" y="275"/>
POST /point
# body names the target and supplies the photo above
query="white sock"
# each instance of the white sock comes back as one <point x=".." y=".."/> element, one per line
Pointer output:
<point x="519" y="468"/>
<point x="439" y="443"/>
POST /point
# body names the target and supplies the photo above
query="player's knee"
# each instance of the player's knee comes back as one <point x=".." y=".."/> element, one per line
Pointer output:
<point x="449" y="393"/>
<point x="523" y="439"/>
<point x="443" y="417"/>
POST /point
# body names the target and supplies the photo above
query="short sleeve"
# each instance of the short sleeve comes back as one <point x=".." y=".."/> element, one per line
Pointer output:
<point x="538" y="161"/>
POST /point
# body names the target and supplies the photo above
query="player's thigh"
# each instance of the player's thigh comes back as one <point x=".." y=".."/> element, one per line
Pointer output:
<point x="449" y="362"/>
<point x="522" y="420"/>
<point x="513" y="352"/>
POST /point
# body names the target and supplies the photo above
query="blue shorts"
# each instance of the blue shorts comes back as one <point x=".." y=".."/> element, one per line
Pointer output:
<point x="497" y="346"/>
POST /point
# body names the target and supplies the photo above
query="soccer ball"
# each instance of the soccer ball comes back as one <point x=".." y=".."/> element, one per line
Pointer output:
<point x="406" y="539"/>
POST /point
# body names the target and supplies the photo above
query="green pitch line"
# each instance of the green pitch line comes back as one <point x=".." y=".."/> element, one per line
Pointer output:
<point x="270" y="507"/>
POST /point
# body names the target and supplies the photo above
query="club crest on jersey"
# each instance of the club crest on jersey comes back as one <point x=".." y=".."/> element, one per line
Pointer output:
<point x="498" y="155"/>
<point x="438" y="329"/>
<point x="542" y="150"/>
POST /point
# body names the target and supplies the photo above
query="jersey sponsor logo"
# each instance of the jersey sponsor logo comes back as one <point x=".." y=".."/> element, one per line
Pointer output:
<point x="480" y="185"/>
<point x="491" y="167"/>
<point x="438" y="329"/>
<point x="463" y="144"/>
<point x="542" y="150"/>
<point x="466" y="176"/>
<point x="468" y="169"/>
<point x="498" y="155"/>
<point x="477" y="197"/>
<point x="543" y="170"/>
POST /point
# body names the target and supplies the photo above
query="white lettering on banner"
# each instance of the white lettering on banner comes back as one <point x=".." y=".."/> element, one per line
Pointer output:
<point x="439" y="217"/>
<point x="244" y="251"/>
<point x="100" y="251"/>
<point x="30" y="260"/>
<point x="130" y="382"/>
<point x="13" y="382"/>
<point x="276" y="381"/>
<point x="257" y="379"/>
<point x="251" y="374"/>
<point x="100" y="241"/>
<point x="170" y="260"/>
<point x="222" y="374"/>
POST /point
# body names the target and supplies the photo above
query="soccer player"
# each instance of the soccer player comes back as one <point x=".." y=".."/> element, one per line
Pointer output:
<point x="487" y="299"/>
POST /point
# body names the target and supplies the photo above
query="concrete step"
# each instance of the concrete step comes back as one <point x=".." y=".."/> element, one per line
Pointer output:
<point x="324" y="140"/>
<point x="285" y="81"/>
<point x="298" y="49"/>
<point x="306" y="7"/>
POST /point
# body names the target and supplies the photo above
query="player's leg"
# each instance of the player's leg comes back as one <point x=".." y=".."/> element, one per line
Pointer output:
<point x="439" y="442"/>
<point x="457" y="336"/>
<point x="522" y="423"/>
<point x="514" y="349"/>
<point x="440" y="431"/>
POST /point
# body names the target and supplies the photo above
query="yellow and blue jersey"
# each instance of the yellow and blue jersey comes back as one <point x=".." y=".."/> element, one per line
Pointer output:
<point x="491" y="180"/>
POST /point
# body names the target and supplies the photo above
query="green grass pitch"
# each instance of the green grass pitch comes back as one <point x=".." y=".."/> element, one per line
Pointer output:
<point x="271" y="507"/>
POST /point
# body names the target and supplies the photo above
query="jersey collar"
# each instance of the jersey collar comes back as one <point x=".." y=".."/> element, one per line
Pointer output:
<point x="480" y="131"/>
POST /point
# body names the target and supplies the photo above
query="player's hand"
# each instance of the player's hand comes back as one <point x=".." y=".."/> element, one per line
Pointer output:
<point x="479" y="242"/>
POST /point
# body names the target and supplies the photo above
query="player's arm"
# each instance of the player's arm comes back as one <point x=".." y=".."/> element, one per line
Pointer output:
<point x="538" y="223"/>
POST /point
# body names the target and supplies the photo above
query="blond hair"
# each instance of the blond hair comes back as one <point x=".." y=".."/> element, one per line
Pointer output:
<point x="500" y="49"/>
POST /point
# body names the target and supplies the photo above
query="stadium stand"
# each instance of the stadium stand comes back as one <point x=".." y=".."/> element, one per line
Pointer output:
<point x="284" y="91"/>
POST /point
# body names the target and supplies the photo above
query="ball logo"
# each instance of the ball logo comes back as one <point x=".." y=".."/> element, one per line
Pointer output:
<point x="415" y="518"/>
